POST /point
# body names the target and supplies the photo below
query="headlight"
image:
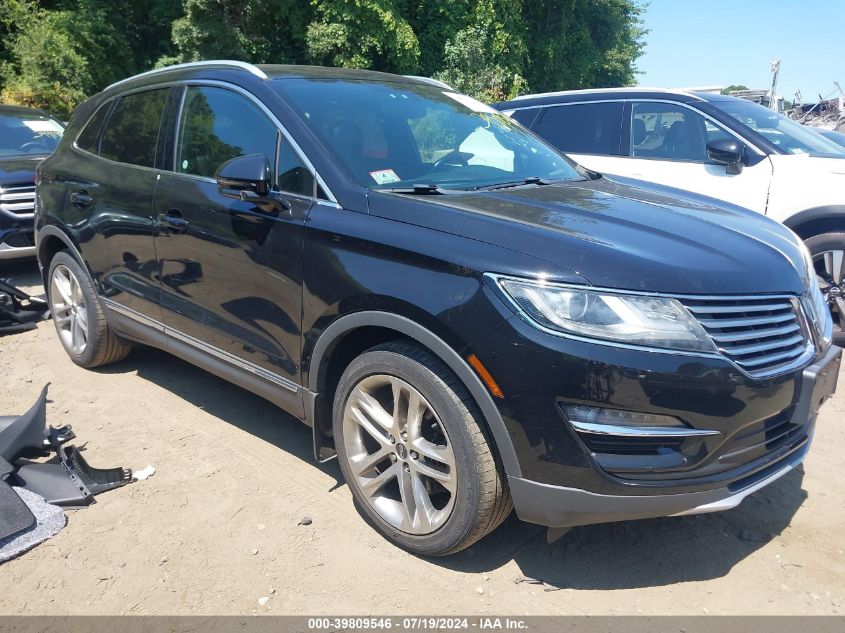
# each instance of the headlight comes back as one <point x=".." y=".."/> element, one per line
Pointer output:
<point x="633" y="319"/>
<point x="817" y="304"/>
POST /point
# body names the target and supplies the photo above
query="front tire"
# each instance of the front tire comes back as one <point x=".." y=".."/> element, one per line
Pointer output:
<point x="828" y="252"/>
<point x="415" y="453"/>
<point x="78" y="316"/>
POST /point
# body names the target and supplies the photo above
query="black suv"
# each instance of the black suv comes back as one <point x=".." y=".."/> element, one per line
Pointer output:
<point x="468" y="320"/>
<point x="26" y="137"/>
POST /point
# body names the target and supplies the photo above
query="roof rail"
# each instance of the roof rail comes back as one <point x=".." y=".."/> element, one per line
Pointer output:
<point x="225" y="63"/>
<point x="429" y="80"/>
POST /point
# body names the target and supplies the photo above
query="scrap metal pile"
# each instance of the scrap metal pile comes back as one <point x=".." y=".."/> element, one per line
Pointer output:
<point x="829" y="114"/>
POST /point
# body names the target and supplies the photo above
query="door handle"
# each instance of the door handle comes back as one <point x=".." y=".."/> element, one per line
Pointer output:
<point x="173" y="221"/>
<point x="81" y="199"/>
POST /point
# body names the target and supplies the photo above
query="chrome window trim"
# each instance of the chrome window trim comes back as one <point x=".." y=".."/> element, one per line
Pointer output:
<point x="165" y="329"/>
<point x="332" y="201"/>
<point x="564" y="93"/>
<point x="220" y="63"/>
<point x="805" y="358"/>
<point x="642" y="431"/>
<point x="707" y="116"/>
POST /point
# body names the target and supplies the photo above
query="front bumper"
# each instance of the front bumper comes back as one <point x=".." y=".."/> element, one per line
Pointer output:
<point x="558" y="506"/>
<point x="561" y="506"/>
<point x="17" y="239"/>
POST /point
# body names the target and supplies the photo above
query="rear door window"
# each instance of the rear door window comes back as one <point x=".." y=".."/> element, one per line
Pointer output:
<point x="131" y="134"/>
<point x="583" y="128"/>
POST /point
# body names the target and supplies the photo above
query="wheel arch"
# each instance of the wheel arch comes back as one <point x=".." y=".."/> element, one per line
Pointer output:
<point x="818" y="220"/>
<point x="373" y="326"/>
<point x="51" y="240"/>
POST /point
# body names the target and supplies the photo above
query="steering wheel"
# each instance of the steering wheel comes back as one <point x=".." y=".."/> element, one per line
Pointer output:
<point x="455" y="158"/>
<point x="26" y="147"/>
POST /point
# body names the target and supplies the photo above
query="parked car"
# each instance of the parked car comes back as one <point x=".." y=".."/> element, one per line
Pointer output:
<point x="715" y="145"/>
<point x="833" y="135"/>
<point x="26" y="137"/>
<point x="468" y="320"/>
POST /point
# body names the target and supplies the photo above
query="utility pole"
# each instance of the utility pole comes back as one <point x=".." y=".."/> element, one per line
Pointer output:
<point x="775" y="66"/>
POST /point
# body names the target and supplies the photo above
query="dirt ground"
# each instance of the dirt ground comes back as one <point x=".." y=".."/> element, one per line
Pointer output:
<point x="216" y="529"/>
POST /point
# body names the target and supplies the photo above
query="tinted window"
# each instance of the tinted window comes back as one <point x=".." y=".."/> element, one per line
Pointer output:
<point x="294" y="176"/>
<point x="526" y="117"/>
<point x="665" y="130"/>
<point x="132" y="131"/>
<point x="90" y="134"/>
<point x="393" y="135"/>
<point x="584" y="128"/>
<point x="218" y="125"/>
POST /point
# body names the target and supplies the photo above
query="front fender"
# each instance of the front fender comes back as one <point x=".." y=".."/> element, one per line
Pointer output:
<point x="415" y="331"/>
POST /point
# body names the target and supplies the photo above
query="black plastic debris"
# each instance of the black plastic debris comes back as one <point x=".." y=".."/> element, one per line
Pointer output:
<point x="18" y="310"/>
<point x="66" y="478"/>
<point x="15" y="516"/>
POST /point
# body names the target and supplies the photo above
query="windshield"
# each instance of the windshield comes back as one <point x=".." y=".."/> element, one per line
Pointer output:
<point x="397" y="135"/>
<point x="24" y="133"/>
<point x="788" y="135"/>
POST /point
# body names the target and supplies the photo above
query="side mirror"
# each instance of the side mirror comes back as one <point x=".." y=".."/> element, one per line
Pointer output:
<point x="244" y="175"/>
<point x="728" y="152"/>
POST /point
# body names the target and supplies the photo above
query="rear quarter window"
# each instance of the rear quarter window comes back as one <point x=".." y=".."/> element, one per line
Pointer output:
<point x="583" y="128"/>
<point x="89" y="138"/>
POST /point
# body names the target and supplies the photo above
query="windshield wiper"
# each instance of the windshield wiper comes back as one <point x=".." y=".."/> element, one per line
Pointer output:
<point x="531" y="180"/>
<point x="419" y="190"/>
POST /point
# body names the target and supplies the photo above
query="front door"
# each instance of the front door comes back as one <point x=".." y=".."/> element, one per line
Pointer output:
<point x="231" y="272"/>
<point x="668" y="145"/>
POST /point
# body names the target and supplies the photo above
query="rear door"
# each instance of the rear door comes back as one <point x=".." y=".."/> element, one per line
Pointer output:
<point x="231" y="272"/>
<point x="110" y="193"/>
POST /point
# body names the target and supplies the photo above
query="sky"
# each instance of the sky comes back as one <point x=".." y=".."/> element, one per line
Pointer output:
<point x="720" y="43"/>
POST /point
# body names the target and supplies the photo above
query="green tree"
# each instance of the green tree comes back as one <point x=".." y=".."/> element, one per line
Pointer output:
<point x="45" y="69"/>
<point x="583" y="43"/>
<point x="732" y="88"/>
<point x="487" y="59"/>
<point x="54" y="53"/>
<point x="259" y="31"/>
<point x="363" y="34"/>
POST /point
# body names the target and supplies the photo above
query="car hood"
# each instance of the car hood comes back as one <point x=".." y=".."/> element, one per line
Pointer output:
<point x="620" y="233"/>
<point x="16" y="170"/>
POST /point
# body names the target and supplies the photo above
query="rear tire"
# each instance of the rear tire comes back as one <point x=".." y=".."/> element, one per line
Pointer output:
<point x="431" y="483"/>
<point x="828" y="251"/>
<point x="78" y="315"/>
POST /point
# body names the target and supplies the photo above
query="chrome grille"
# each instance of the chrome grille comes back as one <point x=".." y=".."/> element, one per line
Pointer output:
<point x="17" y="201"/>
<point x="761" y="335"/>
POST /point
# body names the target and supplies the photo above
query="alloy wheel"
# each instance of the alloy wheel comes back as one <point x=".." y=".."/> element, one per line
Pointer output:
<point x="399" y="454"/>
<point x="830" y="271"/>
<point x="70" y="313"/>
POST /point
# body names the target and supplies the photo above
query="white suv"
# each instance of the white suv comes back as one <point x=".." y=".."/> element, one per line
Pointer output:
<point x="714" y="145"/>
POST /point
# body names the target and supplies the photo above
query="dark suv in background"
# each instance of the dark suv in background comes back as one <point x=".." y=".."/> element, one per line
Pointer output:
<point x="26" y="137"/>
<point x="468" y="320"/>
